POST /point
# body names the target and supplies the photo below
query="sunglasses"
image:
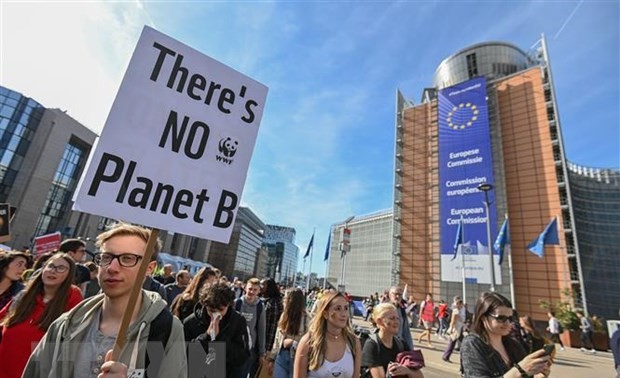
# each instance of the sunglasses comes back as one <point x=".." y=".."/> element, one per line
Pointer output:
<point x="501" y="318"/>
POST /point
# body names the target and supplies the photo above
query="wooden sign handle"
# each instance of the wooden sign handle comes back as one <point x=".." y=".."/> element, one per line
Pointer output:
<point x="121" y="339"/>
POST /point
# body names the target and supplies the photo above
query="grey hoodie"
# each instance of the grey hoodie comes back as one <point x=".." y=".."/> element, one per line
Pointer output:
<point x="257" y="327"/>
<point x="55" y="355"/>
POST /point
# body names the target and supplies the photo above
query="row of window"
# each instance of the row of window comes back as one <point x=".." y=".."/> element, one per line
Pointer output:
<point x="59" y="194"/>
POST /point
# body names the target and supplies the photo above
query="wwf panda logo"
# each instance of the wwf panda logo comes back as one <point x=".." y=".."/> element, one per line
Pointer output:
<point x="228" y="147"/>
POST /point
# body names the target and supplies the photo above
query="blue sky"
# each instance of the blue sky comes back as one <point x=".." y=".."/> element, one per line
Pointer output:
<point x="326" y="144"/>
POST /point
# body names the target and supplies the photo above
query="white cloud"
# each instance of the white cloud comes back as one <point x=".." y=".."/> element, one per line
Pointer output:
<point x="69" y="55"/>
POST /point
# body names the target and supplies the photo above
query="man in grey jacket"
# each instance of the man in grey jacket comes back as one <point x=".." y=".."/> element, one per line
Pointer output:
<point x="251" y="307"/>
<point x="79" y="343"/>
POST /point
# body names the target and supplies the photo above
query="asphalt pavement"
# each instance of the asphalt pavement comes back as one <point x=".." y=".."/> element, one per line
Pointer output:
<point x="569" y="363"/>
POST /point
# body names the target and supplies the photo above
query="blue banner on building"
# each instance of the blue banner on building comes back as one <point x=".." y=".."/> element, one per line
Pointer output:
<point x="465" y="161"/>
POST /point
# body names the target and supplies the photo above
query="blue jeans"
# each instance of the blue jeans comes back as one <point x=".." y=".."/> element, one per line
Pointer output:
<point x="443" y="326"/>
<point x="283" y="366"/>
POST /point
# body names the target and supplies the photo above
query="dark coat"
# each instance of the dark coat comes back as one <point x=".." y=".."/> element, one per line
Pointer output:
<point x="233" y="331"/>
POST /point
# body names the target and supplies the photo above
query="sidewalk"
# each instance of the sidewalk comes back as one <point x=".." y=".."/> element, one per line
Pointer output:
<point x="569" y="363"/>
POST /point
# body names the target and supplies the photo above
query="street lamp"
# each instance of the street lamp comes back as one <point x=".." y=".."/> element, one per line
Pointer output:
<point x="344" y="248"/>
<point x="486" y="187"/>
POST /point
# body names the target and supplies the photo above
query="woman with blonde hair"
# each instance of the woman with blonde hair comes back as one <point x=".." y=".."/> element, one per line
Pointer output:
<point x="381" y="349"/>
<point x="292" y="326"/>
<point x="330" y="348"/>
<point x="24" y="321"/>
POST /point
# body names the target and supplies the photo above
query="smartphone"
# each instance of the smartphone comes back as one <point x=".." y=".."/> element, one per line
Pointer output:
<point x="549" y="349"/>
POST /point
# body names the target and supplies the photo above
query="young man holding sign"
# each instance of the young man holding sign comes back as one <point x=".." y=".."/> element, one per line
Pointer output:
<point x="79" y="343"/>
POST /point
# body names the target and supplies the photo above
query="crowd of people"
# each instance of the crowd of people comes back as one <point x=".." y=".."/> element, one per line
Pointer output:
<point x="60" y="317"/>
<point x="516" y="345"/>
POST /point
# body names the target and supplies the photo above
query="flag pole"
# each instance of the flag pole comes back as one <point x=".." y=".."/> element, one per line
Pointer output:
<point x="310" y="263"/>
<point x="463" y="262"/>
<point x="512" y="280"/>
<point x="326" y="258"/>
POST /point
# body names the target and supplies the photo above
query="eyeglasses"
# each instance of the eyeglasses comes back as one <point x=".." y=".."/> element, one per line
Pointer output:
<point x="501" y="318"/>
<point x="57" y="268"/>
<point x="127" y="260"/>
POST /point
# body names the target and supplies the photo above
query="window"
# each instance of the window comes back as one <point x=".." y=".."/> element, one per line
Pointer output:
<point x="472" y="65"/>
<point x="59" y="194"/>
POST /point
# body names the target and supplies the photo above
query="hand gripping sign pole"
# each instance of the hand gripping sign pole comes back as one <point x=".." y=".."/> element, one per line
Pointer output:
<point x="121" y="339"/>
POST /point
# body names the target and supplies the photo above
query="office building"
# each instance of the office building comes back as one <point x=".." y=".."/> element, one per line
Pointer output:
<point x="491" y="117"/>
<point x="595" y="194"/>
<point x="42" y="155"/>
<point x="240" y="256"/>
<point x="368" y="262"/>
<point x="282" y="253"/>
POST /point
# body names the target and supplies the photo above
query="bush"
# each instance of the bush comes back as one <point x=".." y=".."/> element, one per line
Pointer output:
<point x="564" y="312"/>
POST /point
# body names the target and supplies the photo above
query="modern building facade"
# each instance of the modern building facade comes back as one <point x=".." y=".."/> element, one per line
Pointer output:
<point x="503" y="98"/>
<point x="239" y="257"/>
<point x="282" y="253"/>
<point x="42" y="155"/>
<point x="368" y="263"/>
<point x="595" y="195"/>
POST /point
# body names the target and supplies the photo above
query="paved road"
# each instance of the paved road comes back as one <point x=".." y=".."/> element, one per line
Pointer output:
<point x="431" y="372"/>
<point x="570" y="363"/>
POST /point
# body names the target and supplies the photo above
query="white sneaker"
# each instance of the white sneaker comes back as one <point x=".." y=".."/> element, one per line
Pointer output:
<point x="593" y="351"/>
<point x="561" y="348"/>
<point x="582" y="349"/>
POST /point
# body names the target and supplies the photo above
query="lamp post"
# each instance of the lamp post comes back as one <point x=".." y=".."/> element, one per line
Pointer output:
<point x="486" y="187"/>
<point x="344" y="248"/>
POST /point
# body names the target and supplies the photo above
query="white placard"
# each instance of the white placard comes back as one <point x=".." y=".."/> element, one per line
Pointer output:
<point x="176" y="146"/>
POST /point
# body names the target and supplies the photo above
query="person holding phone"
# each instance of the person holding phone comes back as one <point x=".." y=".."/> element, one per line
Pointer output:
<point x="488" y="351"/>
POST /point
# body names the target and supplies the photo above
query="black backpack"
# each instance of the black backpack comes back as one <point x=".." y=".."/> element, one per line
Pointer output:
<point x="365" y="371"/>
<point x="259" y="308"/>
<point x="160" y="330"/>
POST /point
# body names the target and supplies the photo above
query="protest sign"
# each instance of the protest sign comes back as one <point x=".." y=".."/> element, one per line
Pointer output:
<point x="176" y="146"/>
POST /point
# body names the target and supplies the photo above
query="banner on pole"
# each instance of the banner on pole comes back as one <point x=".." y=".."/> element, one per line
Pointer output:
<point x="465" y="161"/>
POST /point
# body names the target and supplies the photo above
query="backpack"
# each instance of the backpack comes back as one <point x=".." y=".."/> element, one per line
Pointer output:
<point x="156" y="287"/>
<point x="160" y="330"/>
<point x="259" y="310"/>
<point x="365" y="371"/>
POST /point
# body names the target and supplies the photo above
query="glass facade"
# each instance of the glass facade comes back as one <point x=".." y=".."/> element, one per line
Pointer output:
<point x="282" y="253"/>
<point x="61" y="190"/>
<point x="249" y="244"/>
<point x="19" y="120"/>
<point x="239" y="257"/>
<point x="490" y="59"/>
<point x="595" y="195"/>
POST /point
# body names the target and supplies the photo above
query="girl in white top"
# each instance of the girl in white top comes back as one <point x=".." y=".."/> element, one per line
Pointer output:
<point x="330" y="348"/>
